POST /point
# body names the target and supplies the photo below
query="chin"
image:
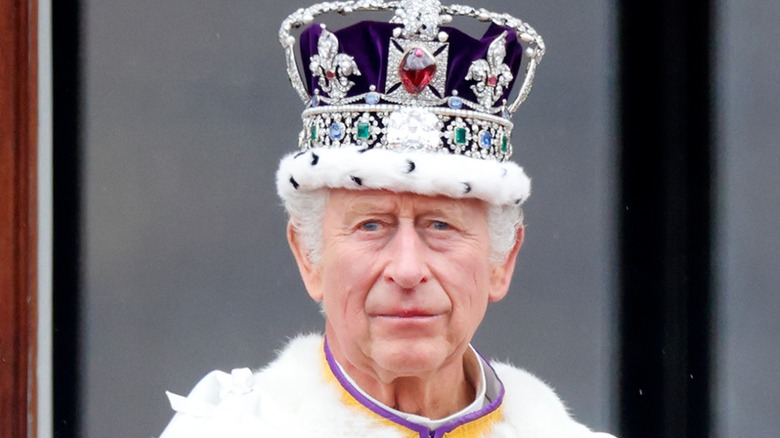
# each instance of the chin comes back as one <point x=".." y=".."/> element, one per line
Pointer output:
<point x="407" y="357"/>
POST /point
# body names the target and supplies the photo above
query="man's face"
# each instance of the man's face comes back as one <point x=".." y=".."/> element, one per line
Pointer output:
<point x="405" y="279"/>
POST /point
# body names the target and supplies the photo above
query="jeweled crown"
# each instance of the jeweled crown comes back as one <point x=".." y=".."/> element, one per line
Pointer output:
<point x="410" y="83"/>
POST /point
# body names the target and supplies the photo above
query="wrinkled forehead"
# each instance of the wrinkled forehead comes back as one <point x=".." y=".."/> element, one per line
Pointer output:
<point x="344" y="201"/>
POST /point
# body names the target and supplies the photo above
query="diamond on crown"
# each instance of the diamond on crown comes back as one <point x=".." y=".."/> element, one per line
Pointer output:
<point x="421" y="18"/>
<point x="413" y="128"/>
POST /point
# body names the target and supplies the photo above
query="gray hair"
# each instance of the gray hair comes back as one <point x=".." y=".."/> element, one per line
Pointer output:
<point x="307" y="210"/>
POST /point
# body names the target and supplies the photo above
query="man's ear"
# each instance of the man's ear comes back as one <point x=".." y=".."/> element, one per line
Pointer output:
<point x="310" y="272"/>
<point x="502" y="271"/>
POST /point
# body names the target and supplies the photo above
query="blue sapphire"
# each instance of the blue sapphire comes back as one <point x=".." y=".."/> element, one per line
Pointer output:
<point x="455" y="102"/>
<point x="372" y="98"/>
<point x="336" y="131"/>
<point x="485" y="139"/>
<point x="315" y="101"/>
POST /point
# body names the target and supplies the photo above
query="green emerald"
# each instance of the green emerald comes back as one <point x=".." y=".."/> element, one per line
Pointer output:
<point x="362" y="130"/>
<point x="460" y="135"/>
<point x="313" y="132"/>
<point x="504" y="143"/>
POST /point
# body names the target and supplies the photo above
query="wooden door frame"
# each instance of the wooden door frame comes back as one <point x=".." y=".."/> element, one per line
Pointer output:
<point x="18" y="216"/>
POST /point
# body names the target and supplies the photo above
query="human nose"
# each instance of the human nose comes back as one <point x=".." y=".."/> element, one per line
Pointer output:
<point x="407" y="266"/>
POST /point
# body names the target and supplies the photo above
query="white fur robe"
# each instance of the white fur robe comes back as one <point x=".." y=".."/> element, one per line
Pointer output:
<point x="289" y="398"/>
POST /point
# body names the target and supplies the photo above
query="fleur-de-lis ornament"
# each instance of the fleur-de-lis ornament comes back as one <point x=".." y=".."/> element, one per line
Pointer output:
<point x="332" y="68"/>
<point x="491" y="75"/>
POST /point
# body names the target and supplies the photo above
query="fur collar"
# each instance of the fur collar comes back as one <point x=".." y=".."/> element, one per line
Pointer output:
<point x="290" y="398"/>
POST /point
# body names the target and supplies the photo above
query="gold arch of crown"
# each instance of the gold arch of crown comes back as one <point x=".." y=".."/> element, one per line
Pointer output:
<point x="477" y="132"/>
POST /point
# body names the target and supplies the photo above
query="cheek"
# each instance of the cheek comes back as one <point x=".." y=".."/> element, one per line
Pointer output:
<point x="466" y="281"/>
<point x="347" y="279"/>
<point x="468" y="270"/>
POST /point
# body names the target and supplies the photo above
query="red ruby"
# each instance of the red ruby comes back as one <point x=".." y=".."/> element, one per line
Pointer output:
<point x="492" y="81"/>
<point x="329" y="74"/>
<point x="416" y="70"/>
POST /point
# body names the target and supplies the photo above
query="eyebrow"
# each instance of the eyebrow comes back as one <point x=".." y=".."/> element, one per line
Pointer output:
<point x="357" y="208"/>
<point x="364" y="206"/>
<point x="386" y="208"/>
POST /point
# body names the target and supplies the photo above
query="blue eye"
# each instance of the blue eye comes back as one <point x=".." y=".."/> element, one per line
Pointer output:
<point x="370" y="226"/>
<point x="441" y="226"/>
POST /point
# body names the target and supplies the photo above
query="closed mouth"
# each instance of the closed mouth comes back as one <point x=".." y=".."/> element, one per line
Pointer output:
<point x="407" y="313"/>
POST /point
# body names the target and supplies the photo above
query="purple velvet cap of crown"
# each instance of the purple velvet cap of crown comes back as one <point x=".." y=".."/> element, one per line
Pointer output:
<point x="368" y="43"/>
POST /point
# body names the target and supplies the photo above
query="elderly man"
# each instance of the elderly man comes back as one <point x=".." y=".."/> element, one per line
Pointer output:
<point x="405" y="222"/>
